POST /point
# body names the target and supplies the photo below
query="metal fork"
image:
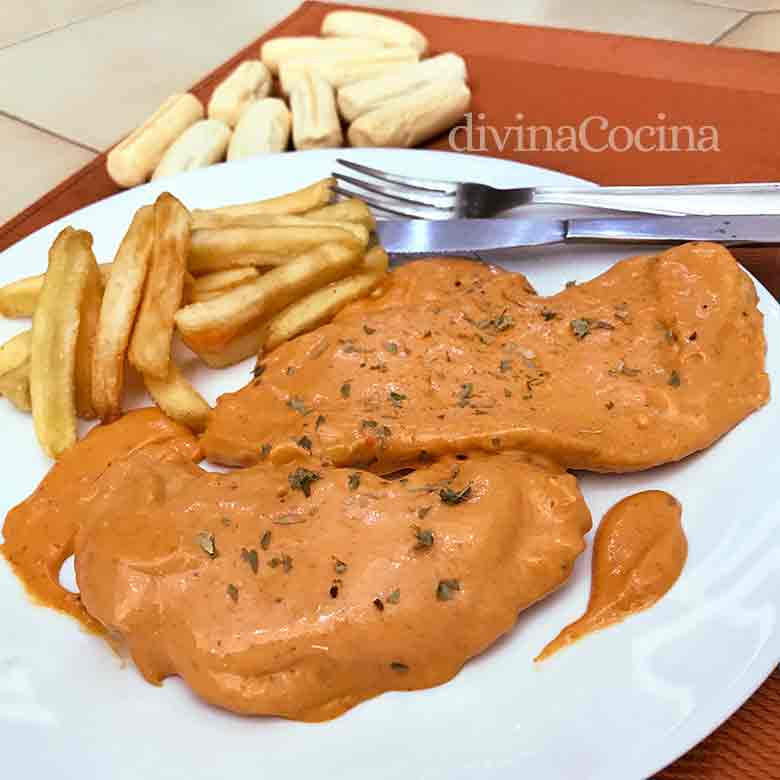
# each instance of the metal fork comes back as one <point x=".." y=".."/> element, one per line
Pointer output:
<point x="417" y="198"/>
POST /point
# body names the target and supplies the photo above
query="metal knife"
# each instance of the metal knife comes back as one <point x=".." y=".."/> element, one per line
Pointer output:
<point x="456" y="236"/>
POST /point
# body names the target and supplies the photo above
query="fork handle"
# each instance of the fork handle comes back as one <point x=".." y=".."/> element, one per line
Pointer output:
<point x="612" y="197"/>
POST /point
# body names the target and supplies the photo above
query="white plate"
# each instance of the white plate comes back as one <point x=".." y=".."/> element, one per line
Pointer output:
<point x="620" y="704"/>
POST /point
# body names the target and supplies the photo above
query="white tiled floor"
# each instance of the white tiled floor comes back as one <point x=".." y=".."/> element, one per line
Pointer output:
<point x="90" y="70"/>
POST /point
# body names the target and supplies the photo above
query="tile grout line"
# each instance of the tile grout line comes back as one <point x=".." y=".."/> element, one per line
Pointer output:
<point x="51" y="133"/>
<point x="71" y="23"/>
<point x="718" y="38"/>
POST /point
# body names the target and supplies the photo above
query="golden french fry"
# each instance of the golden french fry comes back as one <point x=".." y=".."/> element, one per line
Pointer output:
<point x="214" y="249"/>
<point x="179" y="399"/>
<point x="240" y="348"/>
<point x="85" y="345"/>
<point x="311" y="197"/>
<point x="19" y="298"/>
<point x="355" y="226"/>
<point x="15" y="370"/>
<point x="219" y="282"/>
<point x="54" y="338"/>
<point x="121" y="300"/>
<point x="150" y="345"/>
<point x="212" y="325"/>
<point x="320" y="306"/>
<point x="350" y="210"/>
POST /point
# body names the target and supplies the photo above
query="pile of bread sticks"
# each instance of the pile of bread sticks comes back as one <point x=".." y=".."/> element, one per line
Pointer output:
<point x="366" y="73"/>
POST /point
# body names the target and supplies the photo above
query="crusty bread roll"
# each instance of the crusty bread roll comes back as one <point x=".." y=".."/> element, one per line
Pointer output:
<point x="264" y="127"/>
<point x="364" y="96"/>
<point x="133" y="160"/>
<point x="342" y="69"/>
<point x="315" y="121"/>
<point x="250" y="81"/>
<point x="201" y="144"/>
<point x="273" y="52"/>
<point x="362" y="24"/>
<point x="410" y="120"/>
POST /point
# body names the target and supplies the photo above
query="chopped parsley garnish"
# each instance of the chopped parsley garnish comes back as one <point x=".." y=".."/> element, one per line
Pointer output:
<point x="232" y="591"/>
<point x="447" y="589"/>
<point x="396" y="398"/>
<point x="391" y="347"/>
<point x="453" y="497"/>
<point x="250" y="557"/>
<point x="549" y="314"/>
<point x="674" y="379"/>
<point x="265" y="540"/>
<point x="379" y="604"/>
<point x="504" y="366"/>
<point x="339" y="566"/>
<point x="397" y="666"/>
<point x="301" y="479"/>
<point x="465" y="393"/>
<point x="296" y="404"/>
<point x="580" y="328"/>
<point x="304" y="443"/>
<point x="345" y="390"/>
<point x="320" y="421"/>
<point x="353" y="480"/>
<point x="394" y="597"/>
<point x="424" y="537"/>
<point x="265" y="451"/>
<point x="369" y="331"/>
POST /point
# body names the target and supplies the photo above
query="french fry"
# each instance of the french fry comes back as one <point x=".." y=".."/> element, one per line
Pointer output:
<point x="240" y="348"/>
<point x="121" y="300"/>
<point x="150" y="345"/>
<point x="19" y="298"/>
<point x="218" y="283"/>
<point x="54" y="339"/>
<point x="85" y="345"/>
<point x="179" y="399"/>
<point x="320" y="306"/>
<point x="298" y="202"/>
<point x="231" y="247"/>
<point x="350" y="210"/>
<point x="212" y="325"/>
<point x="15" y="370"/>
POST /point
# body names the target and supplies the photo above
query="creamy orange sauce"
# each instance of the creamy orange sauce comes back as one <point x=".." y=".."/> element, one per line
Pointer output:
<point x="639" y="553"/>
<point x="39" y="534"/>
<point x="270" y="601"/>
<point x="651" y="361"/>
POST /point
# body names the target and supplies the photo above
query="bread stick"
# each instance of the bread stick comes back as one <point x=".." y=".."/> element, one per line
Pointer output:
<point x="200" y="145"/>
<point x="362" y="24"/>
<point x="264" y="127"/>
<point x="249" y="82"/>
<point x="315" y="121"/>
<point x="134" y="159"/>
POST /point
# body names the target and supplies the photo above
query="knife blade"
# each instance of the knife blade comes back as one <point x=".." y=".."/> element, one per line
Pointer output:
<point x="455" y="236"/>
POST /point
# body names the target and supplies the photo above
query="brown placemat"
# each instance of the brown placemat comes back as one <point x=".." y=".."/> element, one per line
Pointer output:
<point x="561" y="77"/>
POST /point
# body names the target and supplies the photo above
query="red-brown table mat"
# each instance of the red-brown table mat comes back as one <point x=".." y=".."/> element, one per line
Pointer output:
<point x="561" y="77"/>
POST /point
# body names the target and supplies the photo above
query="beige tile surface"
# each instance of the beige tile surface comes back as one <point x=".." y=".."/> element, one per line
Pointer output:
<point x="96" y="80"/>
<point x="758" y="32"/>
<point x="680" y="20"/>
<point x="24" y="19"/>
<point x="754" y="6"/>
<point x="32" y="163"/>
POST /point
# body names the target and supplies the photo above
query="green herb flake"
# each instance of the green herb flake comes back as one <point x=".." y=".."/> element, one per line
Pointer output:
<point x="580" y="328"/>
<point x="232" y="591"/>
<point x="391" y="347"/>
<point x="297" y="405"/>
<point x="265" y="540"/>
<point x="334" y="589"/>
<point x="225" y="521"/>
<point x="250" y="557"/>
<point x="424" y="537"/>
<point x="397" y="666"/>
<point x="504" y="366"/>
<point x="379" y="604"/>
<point x="304" y="443"/>
<point x="507" y="393"/>
<point x="394" y="597"/>
<point x="302" y="479"/>
<point x="320" y="421"/>
<point x="345" y="390"/>
<point x="275" y="562"/>
<point x="396" y="398"/>
<point x="207" y="543"/>
<point x="549" y="314"/>
<point x="453" y="497"/>
<point x="674" y="379"/>
<point x="287" y="564"/>
<point x="265" y="451"/>
<point x="353" y="481"/>
<point x="368" y="424"/>
<point x="422" y="512"/>
<point x="339" y="566"/>
<point x="369" y="331"/>
<point x="465" y="393"/>
<point x="447" y="589"/>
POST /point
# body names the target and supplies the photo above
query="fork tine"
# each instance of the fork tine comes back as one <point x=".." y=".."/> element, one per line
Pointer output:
<point x="391" y="195"/>
<point x="419" y="212"/>
<point x="426" y="185"/>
